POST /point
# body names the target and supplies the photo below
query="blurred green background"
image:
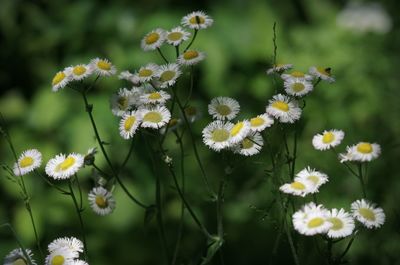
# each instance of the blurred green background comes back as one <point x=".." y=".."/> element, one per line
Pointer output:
<point x="39" y="38"/>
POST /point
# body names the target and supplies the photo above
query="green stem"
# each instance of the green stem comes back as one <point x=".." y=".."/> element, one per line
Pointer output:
<point x="89" y="109"/>
<point x="177" y="51"/>
<point x="193" y="140"/>
<point x="79" y="211"/>
<point x="18" y="242"/>
<point x="347" y="249"/>
<point x="361" y="177"/>
<point x="329" y="251"/>
<point x="162" y="55"/>
<point x="191" y="42"/>
<point x="51" y="184"/>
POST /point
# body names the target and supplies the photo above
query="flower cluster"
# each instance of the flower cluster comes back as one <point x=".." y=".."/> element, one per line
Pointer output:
<point x="243" y="137"/>
<point x="314" y="219"/>
<point x="307" y="181"/>
<point x="97" y="66"/>
<point x="63" y="251"/>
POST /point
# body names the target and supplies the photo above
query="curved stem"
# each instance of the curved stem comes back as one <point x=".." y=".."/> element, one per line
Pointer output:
<point x="50" y="183"/>
<point x="191" y="42"/>
<point x="361" y="177"/>
<point x="193" y="140"/>
<point x="162" y="55"/>
<point x="18" y="242"/>
<point x="79" y="211"/>
<point x="89" y="109"/>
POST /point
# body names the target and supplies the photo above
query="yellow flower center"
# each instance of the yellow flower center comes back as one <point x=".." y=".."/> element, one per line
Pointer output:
<point x="365" y="148"/>
<point x="129" y="122"/>
<point x="220" y="135"/>
<point x="19" y="261"/>
<point x="315" y="222"/>
<point x="223" y="110"/>
<point x="197" y="20"/>
<point x="167" y="76"/>
<point x="175" y="36"/>
<point x="145" y="72"/>
<point x="297" y="74"/>
<point x="337" y="224"/>
<point x="101" y="202"/>
<point x="298" y="87"/>
<point x="57" y="260"/>
<point x="79" y="70"/>
<point x="26" y="161"/>
<point x="67" y="163"/>
<point x="122" y="102"/>
<point x="58" y="78"/>
<point x="188" y="55"/>
<point x="281" y="105"/>
<point x="247" y="143"/>
<point x="237" y="128"/>
<point x="328" y="137"/>
<point x="155" y="96"/>
<point x="104" y="65"/>
<point x="152" y="38"/>
<point x="367" y="214"/>
<point x="257" y="121"/>
<point x="297" y="185"/>
<point x="313" y="179"/>
<point x="324" y="71"/>
<point x="152" y="116"/>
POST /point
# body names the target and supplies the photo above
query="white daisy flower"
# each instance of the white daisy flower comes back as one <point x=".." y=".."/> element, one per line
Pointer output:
<point x="176" y="36"/>
<point x="121" y="102"/>
<point x="316" y="178"/>
<point x="153" y="40"/>
<point x="364" y="151"/>
<point x="327" y="139"/>
<point x="129" y="123"/>
<point x="167" y="75"/>
<point x="155" y="97"/>
<point x="239" y="131"/>
<point x="279" y="68"/>
<point x="103" y="67"/>
<point x="297" y="87"/>
<point x="296" y="75"/>
<point x="348" y="156"/>
<point x="101" y="201"/>
<point x="216" y="135"/>
<point x="191" y="57"/>
<point x="283" y="108"/>
<point x="259" y="123"/>
<point x="60" y="80"/>
<point x="368" y="213"/>
<point x="147" y="72"/>
<point x="342" y="223"/>
<point x="63" y="167"/>
<point x="17" y="257"/>
<point x="71" y="243"/>
<point x="79" y="72"/>
<point x="311" y="220"/>
<point x="298" y="187"/>
<point x="61" y="256"/>
<point x="27" y="162"/>
<point x="322" y="72"/>
<point x="197" y="20"/>
<point x="251" y="145"/>
<point x="222" y="108"/>
<point x="155" y="117"/>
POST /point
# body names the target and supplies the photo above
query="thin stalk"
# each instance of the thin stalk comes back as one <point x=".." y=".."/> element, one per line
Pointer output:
<point x="347" y="249"/>
<point x="18" y="242"/>
<point x="294" y="153"/>
<point x="193" y="140"/>
<point x="291" y="244"/>
<point x="180" y="229"/>
<point x="191" y="42"/>
<point x="79" y="211"/>
<point x="162" y="55"/>
<point x="177" y="51"/>
<point x="361" y="177"/>
<point x="329" y="251"/>
<point x="89" y="109"/>
<point x="190" y="87"/>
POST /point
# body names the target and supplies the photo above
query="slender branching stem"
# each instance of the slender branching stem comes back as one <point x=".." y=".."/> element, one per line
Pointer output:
<point x="193" y="38"/>
<point x="79" y="211"/>
<point x="19" y="242"/>
<point x="162" y="55"/>
<point x="361" y="178"/>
